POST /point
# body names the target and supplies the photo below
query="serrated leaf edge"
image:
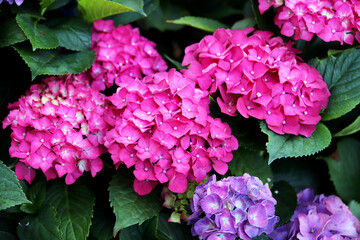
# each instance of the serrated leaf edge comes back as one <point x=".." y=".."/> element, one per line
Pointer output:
<point x="18" y="184"/>
<point x="33" y="48"/>
<point x="305" y="155"/>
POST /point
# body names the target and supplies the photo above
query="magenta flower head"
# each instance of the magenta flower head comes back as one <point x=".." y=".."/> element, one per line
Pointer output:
<point x="260" y="76"/>
<point x="121" y="53"/>
<point x="161" y="125"/>
<point x="231" y="208"/>
<point x="319" y="217"/>
<point x="331" y="20"/>
<point x="58" y="128"/>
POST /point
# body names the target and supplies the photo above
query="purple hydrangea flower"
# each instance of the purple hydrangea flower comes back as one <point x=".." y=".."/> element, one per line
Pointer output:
<point x="232" y="207"/>
<point x="319" y="217"/>
<point x="18" y="2"/>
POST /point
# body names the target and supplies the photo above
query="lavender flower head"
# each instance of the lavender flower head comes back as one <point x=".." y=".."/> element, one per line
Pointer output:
<point x="319" y="217"/>
<point x="232" y="207"/>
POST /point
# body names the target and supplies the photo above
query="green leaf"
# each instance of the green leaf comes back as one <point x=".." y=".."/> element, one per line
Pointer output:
<point x="36" y="195"/>
<point x="137" y="5"/>
<point x="53" y="62"/>
<point x="202" y="23"/>
<point x="44" y="225"/>
<point x="351" y="129"/>
<point x="174" y="62"/>
<point x="288" y="145"/>
<point x="146" y="231"/>
<point x="342" y="75"/>
<point x="172" y="231"/>
<point x="354" y="207"/>
<point x="251" y="162"/>
<point x="344" y="169"/>
<point x="40" y="36"/>
<point x="74" y="206"/>
<point x="44" y="4"/>
<point x="73" y="33"/>
<point x="94" y="10"/>
<point x="286" y="199"/>
<point x="166" y="10"/>
<point x="128" y="17"/>
<point x="129" y="207"/>
<point x="10" y="32"/>
<point x="262" y="237"/>
<point x="244" y="23"/>
<point x="57" y="4"/>
<point x="11" y="193"/>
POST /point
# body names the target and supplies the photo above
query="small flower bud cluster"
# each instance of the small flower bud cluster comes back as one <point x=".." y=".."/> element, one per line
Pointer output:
<point x="179" y="202"/>
<point x="121" y="54"/>
<point x="259" y="76"/>
<point x="331" y="20"/>
<point x="231" y="208"/>
<point x="58" y="128"/>
<point x="162" y="126"/>
<point x="319" y="217"/>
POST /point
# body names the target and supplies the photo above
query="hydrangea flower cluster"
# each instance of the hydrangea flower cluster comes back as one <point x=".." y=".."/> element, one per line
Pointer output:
<point x="18" y="2"/>
<point x="259" y="76"/>
<point x="121" y="53"/>
<point x="162" y="126"/>
<point x="232" y="207"/>
<point x="331" y="20"/>
<point x="58" y="128"/>
<point x="319" y="217"/>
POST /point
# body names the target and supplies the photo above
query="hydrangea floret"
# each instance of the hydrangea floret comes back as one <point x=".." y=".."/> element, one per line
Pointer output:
<point x="319" y="217"/>
<point x="232" y="207"/>
<point x="331" y="20"/>
<point x="121" y="54"/>
<point x="58" y="128"/>
<point x="260" y="76"/>
<point x="161" y="125"/>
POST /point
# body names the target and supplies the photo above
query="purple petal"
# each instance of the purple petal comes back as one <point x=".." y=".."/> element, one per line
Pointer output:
<point x="240" y="203"/>
<point x="220" y="189"/>
<point x="251" y="230"/>
<point x="225" y="221"/>
<point x="211" y="204"/>
<point x="221" y="236"/>
<point x="257" y="216"/>
<point x="239" y="216"/>
<point x="238" y="185"/>
<point x="204" y="225"/>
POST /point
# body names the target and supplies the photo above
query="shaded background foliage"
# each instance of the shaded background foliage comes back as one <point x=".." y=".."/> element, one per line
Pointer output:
<point x="103" y="214"/>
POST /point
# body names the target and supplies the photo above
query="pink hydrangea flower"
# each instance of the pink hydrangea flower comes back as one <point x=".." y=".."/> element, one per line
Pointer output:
<point x="260" y="76"/>
<point x="161" y="125"/>
<point x="58" y="128"/>
<point x="121" y="54"/>
<point x="331" y="20"/>
<point x="319" y="217"/>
